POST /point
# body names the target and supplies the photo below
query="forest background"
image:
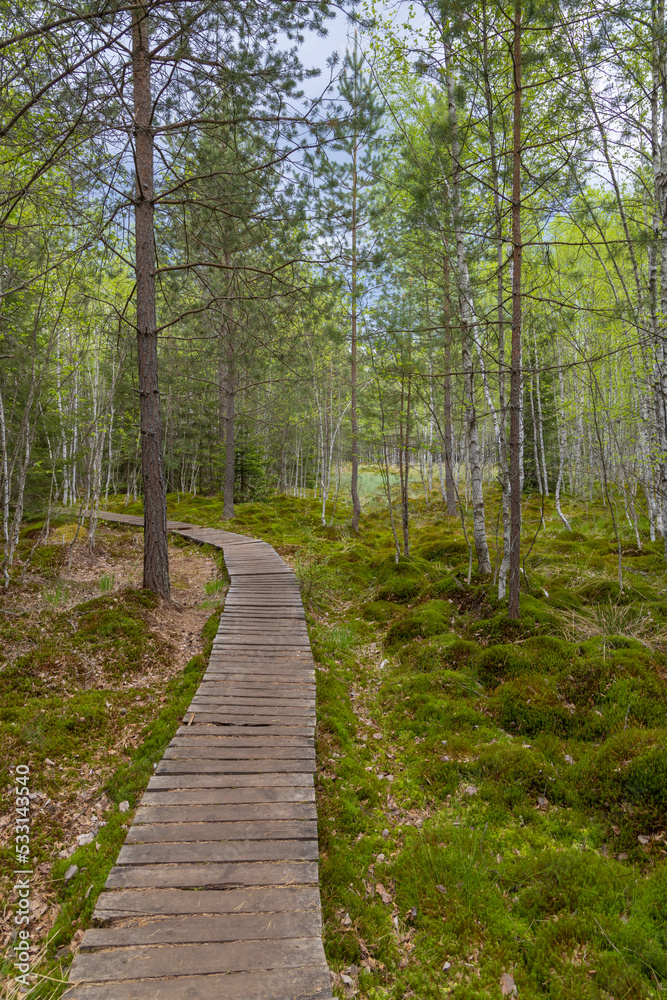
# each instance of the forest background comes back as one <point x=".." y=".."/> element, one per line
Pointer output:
<point x="450" y="262"/>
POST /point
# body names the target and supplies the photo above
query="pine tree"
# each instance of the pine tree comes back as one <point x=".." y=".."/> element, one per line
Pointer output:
<point x="344" y="172"/>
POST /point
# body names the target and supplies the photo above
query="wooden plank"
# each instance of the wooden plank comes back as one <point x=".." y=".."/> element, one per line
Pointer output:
<point x="210" y="736"/>
<point x="227" y="729"/>
<point x="126" y="903"/>
<point x="200" y="959"/>
<point x="277" y="695"/>
<point x="236" y="812"/>
<point x="191" y="781"/>
<point x="306" y="983"/>
<point x="209" y="758"/>
<point x="246" y="705"/>
<point x="212" y="876"/>
<point x="207" y="929"/>
<point x="228" y="796"/>
<point x="211" y="852"/>
<point x="240" y="753"/>
<point x="264" y="766"/>
<point x="162" y="833"/>
<point x="280" y="723"/>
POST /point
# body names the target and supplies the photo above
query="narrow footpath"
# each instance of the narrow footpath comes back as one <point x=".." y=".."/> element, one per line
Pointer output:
<point x="215" y="895"/>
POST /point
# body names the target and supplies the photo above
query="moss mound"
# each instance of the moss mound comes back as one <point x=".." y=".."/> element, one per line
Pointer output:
<point x="422" y="622"/>
<point x="379" y="611"/>
<point x="401" y="581"/>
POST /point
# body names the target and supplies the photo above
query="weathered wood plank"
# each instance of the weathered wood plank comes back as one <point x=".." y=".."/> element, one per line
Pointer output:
<point x="163" y="833"/>
<point x="228" y="796"/>
<point x="248" y="813"/>
<point x="207" y="929"/>
<point x="195" y="959"/>
<point x="225" y="852"/>
<point x="266" y="780"/>
<point x="264" y="766"/>
<point x="232" y="731"/>
<point x="302" y="725"/>
<point x="307" y="983"/>
<point x="210" y="736"/>
<point x="212" y="875"/>
<point x="246" y="705"/>
<point x="127" y="903"/>
<point x="186" y="750"/>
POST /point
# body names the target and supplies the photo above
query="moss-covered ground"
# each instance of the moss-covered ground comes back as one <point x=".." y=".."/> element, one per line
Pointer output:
<point x="94" y="678"/>
<point x="492" y="795"/>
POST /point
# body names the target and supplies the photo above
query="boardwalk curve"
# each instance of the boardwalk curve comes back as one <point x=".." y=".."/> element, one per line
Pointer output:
<point x="215" y="891"/>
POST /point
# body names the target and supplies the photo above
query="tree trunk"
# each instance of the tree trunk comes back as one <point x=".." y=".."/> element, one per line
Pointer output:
<point x="354" y="492"/>
<point x="229" y="408"/>
<point x="450" y="491"/>
<point x="560" y="425"/>
<point x="467" y="320"/>
<point x="156" y="551"/>
<point x="515" y="368"/>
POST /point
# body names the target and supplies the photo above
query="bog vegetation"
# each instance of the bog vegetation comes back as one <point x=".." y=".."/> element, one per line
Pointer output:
<point x="406" y="319"/>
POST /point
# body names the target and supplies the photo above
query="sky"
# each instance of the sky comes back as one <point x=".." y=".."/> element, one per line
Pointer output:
<point x="315" y="51"/>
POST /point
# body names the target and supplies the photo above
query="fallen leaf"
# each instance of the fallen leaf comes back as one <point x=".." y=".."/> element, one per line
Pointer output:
<point x="71" y="872"/>
<point x="382" y="893"/>
<point x="123" y="806"/>
<point x="643" y="839"/>
<point x="542" y="802"/>
<point x="507" y="985"/>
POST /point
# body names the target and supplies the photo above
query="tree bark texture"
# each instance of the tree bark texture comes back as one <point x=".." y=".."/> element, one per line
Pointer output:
<point x="156" y="552"/>
<point x="515" y="366"/>
<point x="467" y="320"/>
<point x="450" y="491"/>
<point x="354" y="491"/>
<point x="228" y="392"/>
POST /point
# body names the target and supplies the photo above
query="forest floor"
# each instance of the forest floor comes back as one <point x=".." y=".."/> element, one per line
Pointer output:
<point x="94" y="675"/>
<point x="491" y="795"/>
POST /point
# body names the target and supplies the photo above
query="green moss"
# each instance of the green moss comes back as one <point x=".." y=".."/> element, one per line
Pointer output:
<point x="499" y="662"/>
<point x="379" y="611"/>
<point x="515" y="768"/>
<point x="646" y="781"/>
<point x="442" y="549"/>
<point x="444" y="651"/>
<point x="530" y="705"/>
<point x="426" y="620"/>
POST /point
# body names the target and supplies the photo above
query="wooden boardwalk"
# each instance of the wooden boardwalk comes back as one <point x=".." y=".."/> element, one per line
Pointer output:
<point x="215" y="891"/>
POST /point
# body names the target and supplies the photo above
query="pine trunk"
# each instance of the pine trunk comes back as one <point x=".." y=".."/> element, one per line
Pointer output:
<point x="156" y="552"/>
<point x="515" y="369"/>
